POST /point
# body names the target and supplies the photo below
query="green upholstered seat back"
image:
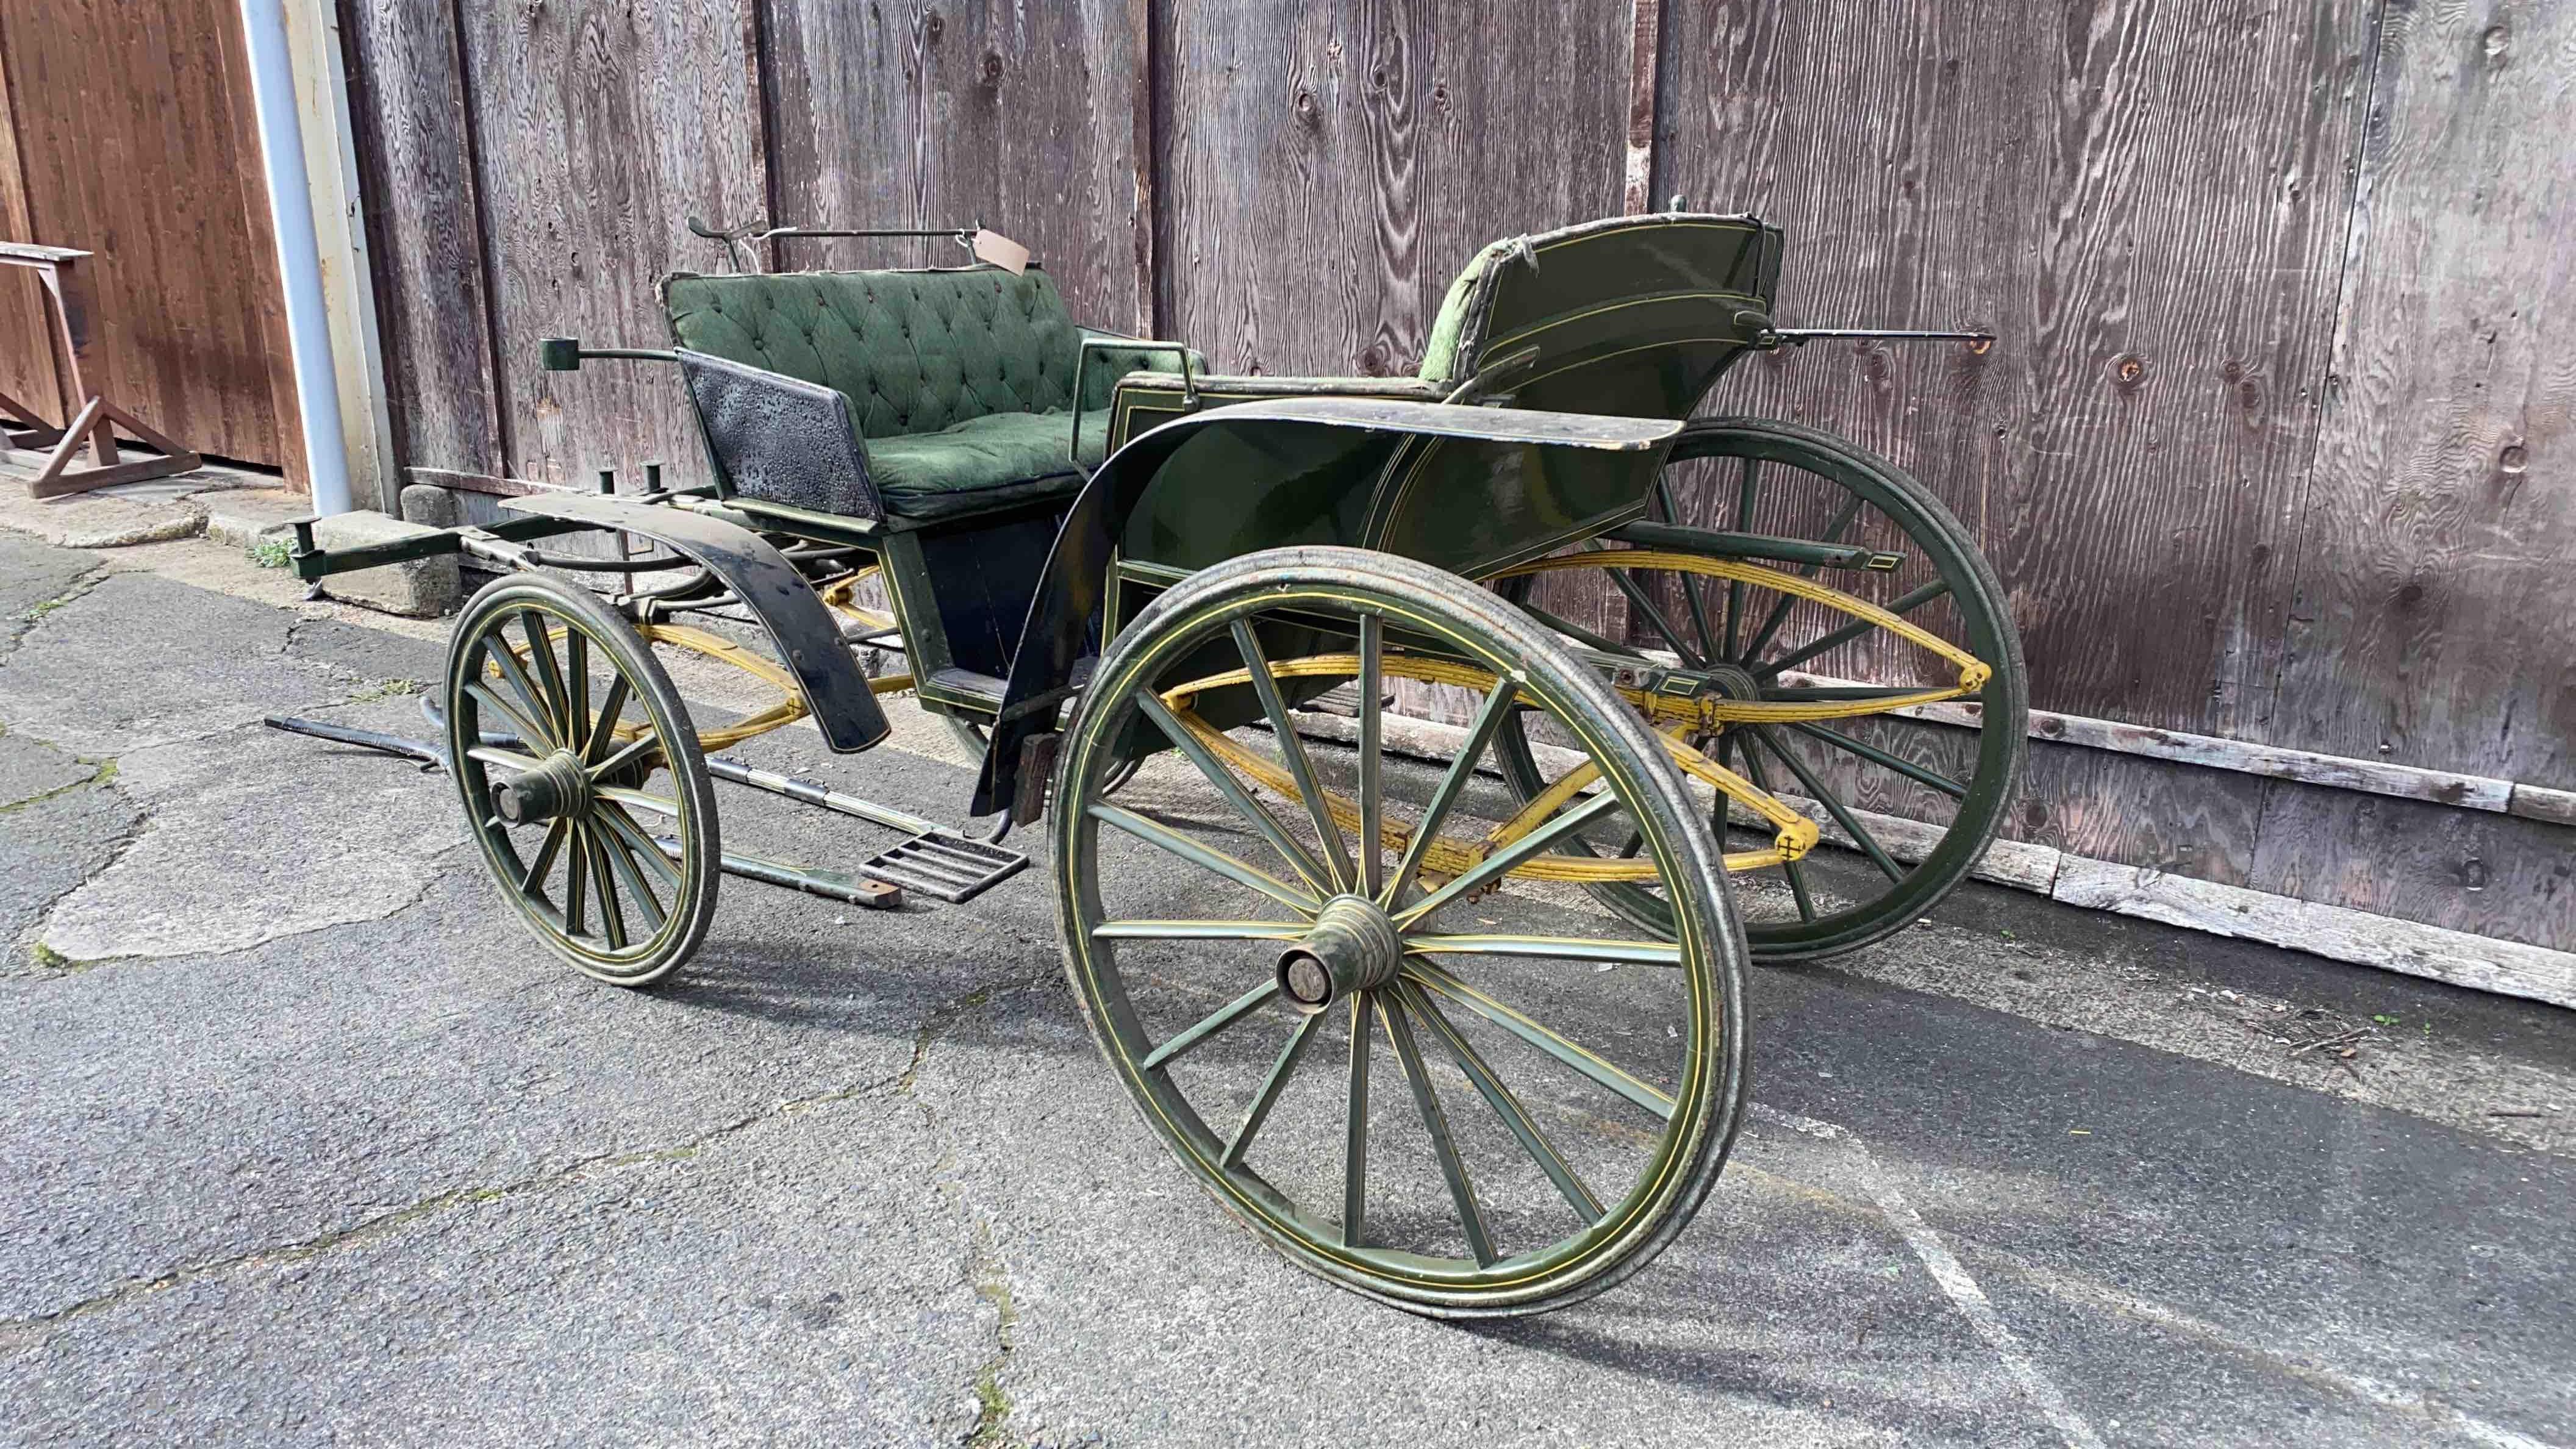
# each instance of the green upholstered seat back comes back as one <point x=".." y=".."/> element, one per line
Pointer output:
<point x="1631" y="315"/>
<point x="915" y="352"/>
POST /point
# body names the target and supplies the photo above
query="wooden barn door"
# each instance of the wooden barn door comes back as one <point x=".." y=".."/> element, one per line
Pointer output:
<point x="129" y="133"/>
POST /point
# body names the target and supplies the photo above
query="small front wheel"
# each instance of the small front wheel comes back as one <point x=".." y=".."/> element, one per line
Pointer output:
<point x="581" y="779"/>
<point x="1373" y="1015"/>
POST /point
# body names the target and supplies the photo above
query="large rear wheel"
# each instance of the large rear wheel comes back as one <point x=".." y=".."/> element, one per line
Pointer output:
<point x="1800" y="564"/>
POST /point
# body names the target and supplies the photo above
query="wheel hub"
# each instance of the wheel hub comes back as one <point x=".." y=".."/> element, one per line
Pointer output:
<point x="557" y="786"/>
<point x="1732" y="681"/>
<point x="1352" y="946"/>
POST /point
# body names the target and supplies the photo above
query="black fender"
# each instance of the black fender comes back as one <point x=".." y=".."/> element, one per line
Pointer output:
<point x="808" y="637"/>
<point x="1353" y="439"/>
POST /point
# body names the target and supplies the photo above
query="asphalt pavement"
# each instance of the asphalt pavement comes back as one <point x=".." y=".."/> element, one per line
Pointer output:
<point x="306" y="1142"/>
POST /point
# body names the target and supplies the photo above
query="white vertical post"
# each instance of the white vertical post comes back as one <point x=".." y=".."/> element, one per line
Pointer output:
<point x="299" y="257"/>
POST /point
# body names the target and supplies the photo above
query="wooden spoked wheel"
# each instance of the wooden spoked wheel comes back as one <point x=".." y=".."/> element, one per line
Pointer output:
<point x="1458" y="1099"/>
<point x="1868" y="732"/>
<point x="581" y="779"/>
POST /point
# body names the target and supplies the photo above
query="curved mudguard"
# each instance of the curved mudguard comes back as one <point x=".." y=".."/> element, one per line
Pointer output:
<point x="1351" y="439"/>
<point x="807" y="636"/>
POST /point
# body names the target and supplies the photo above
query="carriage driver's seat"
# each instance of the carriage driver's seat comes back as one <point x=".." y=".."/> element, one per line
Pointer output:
<point x="909" y="397"/>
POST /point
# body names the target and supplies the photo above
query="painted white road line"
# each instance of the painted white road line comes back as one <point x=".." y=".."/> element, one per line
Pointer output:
<point x="2086" y="1293"/>
<point x="1946" y="1270"/>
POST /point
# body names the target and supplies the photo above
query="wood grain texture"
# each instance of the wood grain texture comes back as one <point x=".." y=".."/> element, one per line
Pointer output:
<point x="1334" y="163"/>
<point x="2496" y="875"/>
<point x="599" y="127"/>
<point x="135" y="141"/>
<point x="424" y="219"/>
<point x="2146" y="205"/>
<point x="1031" y="119"/>
<point x="2433" y="624"/>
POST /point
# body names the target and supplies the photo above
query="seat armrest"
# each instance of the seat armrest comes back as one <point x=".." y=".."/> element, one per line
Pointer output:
<point x="1107" y="357"/>
<point x="781" y="439"/>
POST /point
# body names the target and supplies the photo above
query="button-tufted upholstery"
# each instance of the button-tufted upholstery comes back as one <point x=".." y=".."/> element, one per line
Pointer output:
<point x="959" y="381"/>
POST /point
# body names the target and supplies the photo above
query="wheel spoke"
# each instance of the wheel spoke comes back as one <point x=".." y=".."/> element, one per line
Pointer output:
<point x="1271" y="1087"/>
<point x="1780" y="611"/>
<point x="507" y="759"/>
<point x="1355" y="1125"/>
<point x="1461" y="1191"/>
<point x="640" y="745"/>
<point x="603" y="726"/>
<point x="1503" y="860"/>
<point x="1645" y="605"/>
<point x="1690" y="582"/>
<point x="1549" y="948"/>
<point x="622" y="857"/>
<point x="577" y="685"/>
<point x="1796" y="872"/>
<point x="641" y="846"/>
<point x="1480" y="733"/>
<point x="541" y="656"/>
<point x="1579" y="634"/>
<point x="1905" y="604"/>
<point x="1580" y="1058"/>
<point x="533" y="879"/>
<point x="577" y="886"/>
<point x="1876" y="756"/>
<point x="529" y="732"/>
<point x="1198" y="931"/>
<point x="535" y="733"/>
<point x="1175" y="843"/>
<point x="1292" y="751"/>
<point x="1505" y="1105"/>
<point x="1372" y="685"/>
<point x="1253" y="811"/>
<point x="1225" y="1016"/>
<point x="637" y="798"/>
<point x="1745" y="491"/>
<point x="1834" y="806"/>
<point x="612" y="917"/>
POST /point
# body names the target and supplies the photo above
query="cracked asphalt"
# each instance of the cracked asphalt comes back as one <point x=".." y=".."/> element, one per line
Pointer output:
<point x="306" y="1143"/>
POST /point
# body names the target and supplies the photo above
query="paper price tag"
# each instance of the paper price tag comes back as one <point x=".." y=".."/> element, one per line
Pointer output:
<point x="998" y="250"/>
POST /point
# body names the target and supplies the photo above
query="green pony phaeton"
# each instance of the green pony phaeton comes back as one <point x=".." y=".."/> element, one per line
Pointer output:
<point x="1447" y="1005"/>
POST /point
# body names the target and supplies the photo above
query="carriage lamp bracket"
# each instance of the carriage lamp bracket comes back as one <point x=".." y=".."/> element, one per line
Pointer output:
<point x="1082" y="359"/>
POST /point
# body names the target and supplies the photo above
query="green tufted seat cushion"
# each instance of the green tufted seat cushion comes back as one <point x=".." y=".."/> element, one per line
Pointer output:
<point x="960" y="380"/>
<point x="991" y="461"/>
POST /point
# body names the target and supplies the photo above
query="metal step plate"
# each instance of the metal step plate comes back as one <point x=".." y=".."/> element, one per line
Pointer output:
<point x="949" y="866"/>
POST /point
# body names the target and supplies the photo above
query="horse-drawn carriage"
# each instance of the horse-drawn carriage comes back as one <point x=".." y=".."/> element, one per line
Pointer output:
<point x="1133" y="585"/>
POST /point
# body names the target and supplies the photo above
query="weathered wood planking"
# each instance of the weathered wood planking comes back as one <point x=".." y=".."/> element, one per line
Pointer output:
<point x="599" y="127"/>
<point x="27" y="370"/>
<point x="2496" y="875"/>
<point x="2146" y="205"/>
<point x="135" y="141"/>
<point x="2438" y="533"/>
<point x="1334" y="164"/>
<point x="1032" y="119"/>
<point x="407" y="101"/>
